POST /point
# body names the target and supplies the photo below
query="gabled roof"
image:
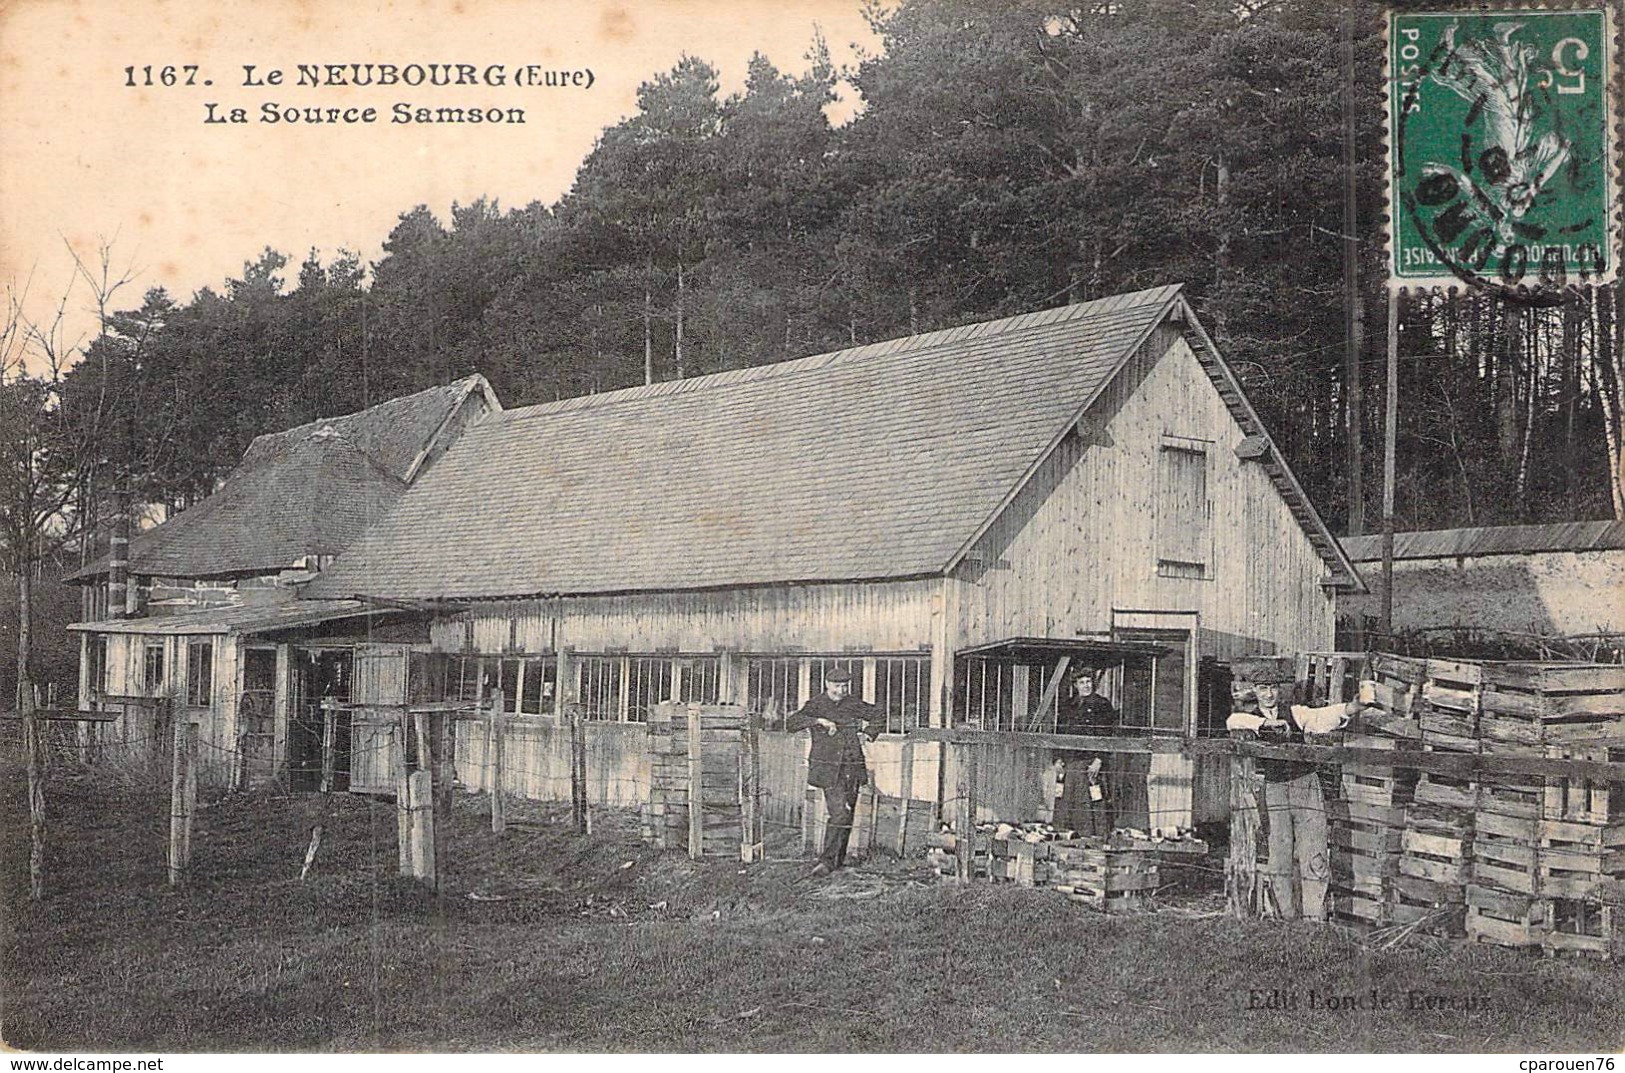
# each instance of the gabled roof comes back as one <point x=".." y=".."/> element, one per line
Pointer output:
<point x="879" y="461"/>
<point x="307" y="491"/>
<point x="1491" y="540"/>
<point x="393" y="434"/>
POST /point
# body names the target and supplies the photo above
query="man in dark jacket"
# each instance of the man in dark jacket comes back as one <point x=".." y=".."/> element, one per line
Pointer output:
<point x="835" y="763"/>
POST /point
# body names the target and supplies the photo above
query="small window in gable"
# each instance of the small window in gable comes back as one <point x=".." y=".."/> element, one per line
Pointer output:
<point x="1184" y="517"/>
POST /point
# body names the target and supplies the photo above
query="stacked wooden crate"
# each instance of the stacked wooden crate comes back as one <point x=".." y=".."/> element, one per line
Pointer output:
<point x="1436" y="846"/>
<point x="1119" y="873"/>
<point x="1020" y="858"/>
<point x="942" y="852"/>
<point x="665" y="816"/>
<point x="1366" y="812"/>
<point x="1550" y="851"/>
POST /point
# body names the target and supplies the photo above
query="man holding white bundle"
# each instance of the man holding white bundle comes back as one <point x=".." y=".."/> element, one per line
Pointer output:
<point x="1298" y="853"/>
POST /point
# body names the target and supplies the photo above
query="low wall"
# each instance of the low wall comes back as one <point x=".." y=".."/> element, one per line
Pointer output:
<point x="536" y="765"/>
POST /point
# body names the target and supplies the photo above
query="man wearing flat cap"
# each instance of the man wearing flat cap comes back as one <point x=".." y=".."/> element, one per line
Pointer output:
<point x="835" y="763"/>
<point x="1298" y="869"/>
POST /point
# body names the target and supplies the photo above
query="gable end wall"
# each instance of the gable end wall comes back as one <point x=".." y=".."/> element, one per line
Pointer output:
<point x="1081" y="539"/>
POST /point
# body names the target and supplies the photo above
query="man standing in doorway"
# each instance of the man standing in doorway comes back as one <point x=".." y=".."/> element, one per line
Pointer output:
<point x="835" y="763"/>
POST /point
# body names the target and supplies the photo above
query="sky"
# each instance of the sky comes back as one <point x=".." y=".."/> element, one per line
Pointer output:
<point x="87" y="158"/>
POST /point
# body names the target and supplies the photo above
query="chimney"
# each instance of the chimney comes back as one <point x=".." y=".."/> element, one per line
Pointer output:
<point x="118" y="559"/>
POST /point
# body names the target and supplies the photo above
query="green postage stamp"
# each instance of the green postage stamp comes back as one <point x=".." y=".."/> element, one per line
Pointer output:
<point x="1502" y="158"/>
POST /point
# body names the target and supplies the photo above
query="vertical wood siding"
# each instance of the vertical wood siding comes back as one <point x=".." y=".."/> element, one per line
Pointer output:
<point x="1082" y="537"/>
<point x="889" y="616"/>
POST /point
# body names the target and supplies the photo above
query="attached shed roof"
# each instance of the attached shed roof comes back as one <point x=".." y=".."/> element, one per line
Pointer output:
<point x="244" y="619"/>
<point x="880" y="461"/>
<point x="307" y="491"/>
<point x="1491" y="540"/>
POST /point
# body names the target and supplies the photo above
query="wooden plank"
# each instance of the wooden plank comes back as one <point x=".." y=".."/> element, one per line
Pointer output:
<point x="906" y="780"/>
<point x="1600" y="679"/>
<point x="1438" y="871"/>
<point x="420" y="793"/>
<point x="182" y="802"/>
<point x="1458" y="764"/>
<point x="494" y="750"/>
<point x="1455" y="671"/>
<point x="1414" y="841"/>
<point x="403" y="804"/>
<point x="1051" y="689"/>
<point x="750" y="791"/>
<point x="696" y="784"/>
<point x="443" y="775"/>
<point x="330" y="733"/>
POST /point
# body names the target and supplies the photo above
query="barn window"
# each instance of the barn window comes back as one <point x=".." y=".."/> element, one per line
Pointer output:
<point x="199" y="673"/>
<point x="1183" y="514"/>
<point x="97" y="672"/>
<point x="538" y="685"/>
<point x="902" y="685"/>
<point x="773" y="686"/>
<point x="527" y="684"/>
<point x="648" y="683"/>
<point x="463" y="678"/>
<point x="152" y="668"/>
<point x="700" y="680"/>
<point x="984" y="688"/>
<point x="599" y="679"/>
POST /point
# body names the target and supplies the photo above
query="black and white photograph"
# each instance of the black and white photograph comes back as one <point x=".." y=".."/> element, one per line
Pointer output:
<point x="835" y="527"/>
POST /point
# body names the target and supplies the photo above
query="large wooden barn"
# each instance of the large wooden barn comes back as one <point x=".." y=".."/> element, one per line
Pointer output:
<point x="212" y="631"/>
<point x="949" y="516"/>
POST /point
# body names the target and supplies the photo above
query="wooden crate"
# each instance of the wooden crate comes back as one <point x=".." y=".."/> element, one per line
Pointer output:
<point x="1506" y="919"/>
<point x="1364" y="859"/>
<point x="665" y="810"/>
<point x="1108" y="879"/>
<point x="1372" y="784"/>
<point x="1449" y="710"/>
<point x="1435" y="862"/>
<point x="1554" y="703"/>
<point x="1586" y="926"/>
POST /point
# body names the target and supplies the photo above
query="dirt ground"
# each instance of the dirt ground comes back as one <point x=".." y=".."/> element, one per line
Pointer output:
<point x="548" y="940"/>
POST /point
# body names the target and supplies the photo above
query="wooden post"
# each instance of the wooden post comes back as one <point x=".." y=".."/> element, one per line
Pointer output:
<point x="33" y="745"/>
<point x="496" y="734"/>
<point x="965" y="825"/>
<point x="578" y="769"/>
<point x="906" y="793"/>
<point x="420" y="731"/>
<point x="1241" y="867"/>
<point x="420" y="795"/>
<point x="749" y="781"/>
<point x="441" y="728"/>
<point x="310" y="851"/>
<point x="162" y="745"/>
<point x="330" y="736"/>
<point x="1390" y="427"/>
<point x="403" y="804"/>
<point x="696" y="794"/>
<point x="182" y="802"/>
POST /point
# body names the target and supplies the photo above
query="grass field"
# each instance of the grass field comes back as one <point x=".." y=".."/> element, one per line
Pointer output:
<point x="548" y="940"/>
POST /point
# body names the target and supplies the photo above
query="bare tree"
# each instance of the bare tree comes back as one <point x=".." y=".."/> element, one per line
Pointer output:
<point x="41" y="457"/>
